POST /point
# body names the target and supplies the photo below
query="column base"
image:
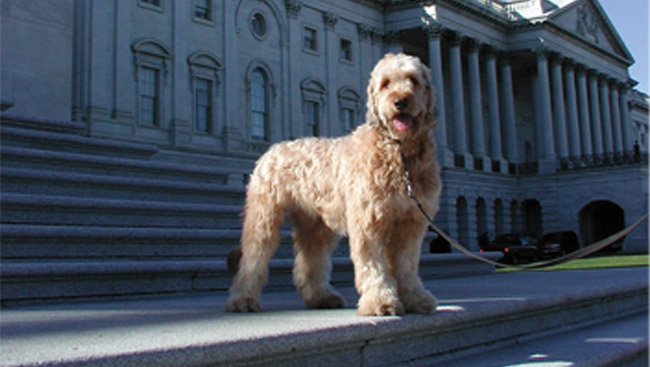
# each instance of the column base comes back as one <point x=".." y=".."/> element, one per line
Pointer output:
<point x="463" y="160"/>
<point x="445" y="157"/>
<point x="547" y="165"/>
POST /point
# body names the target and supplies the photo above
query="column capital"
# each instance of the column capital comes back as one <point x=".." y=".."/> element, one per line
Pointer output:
<point x="293" y="7"/>
<point x="542" y="52"/>
<point x="569" y="63"/>
<point x="455" y="38"/>
<point x="432" y="29"/>
<point x="472" y="44"/>
<point x="491" y="50"/>
<point x="365" y="31"/>
<point x="330" y="20"/>
<point x="391" y="37"/>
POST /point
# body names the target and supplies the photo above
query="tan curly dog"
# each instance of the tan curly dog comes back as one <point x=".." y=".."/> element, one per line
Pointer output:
<point x="354" y="186"/>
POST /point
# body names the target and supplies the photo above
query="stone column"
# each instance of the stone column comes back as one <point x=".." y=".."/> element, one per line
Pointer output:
<point x="434" y="33"/>
<point x="606" y="116"/>
<point x="547" y="161"/>
<point x="475" y="103"/>
<point x="457" y="101"/>
<point x="583" y="109"/>
<point x="508" y="112"/>
<point x="493" y="109"/>
<point x="616" y="117"/>
<point x="626" y="124"/>
<point x="559" y="112"/>
<point x="572" y="110"/>
<point x="594" y="106"/>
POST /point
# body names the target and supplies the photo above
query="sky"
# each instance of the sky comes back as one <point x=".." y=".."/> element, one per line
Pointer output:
<point x="630" y="18"/>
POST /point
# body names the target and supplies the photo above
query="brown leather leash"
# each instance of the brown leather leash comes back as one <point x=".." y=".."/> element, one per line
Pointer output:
<point x="583" y="252"/>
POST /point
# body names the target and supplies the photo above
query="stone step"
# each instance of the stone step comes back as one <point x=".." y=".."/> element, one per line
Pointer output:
<point x="39" y="281"/>
<point x="115" y="186"/>
<point x="37" y="159"/>
<point x="75" y="211"/>
<point x="615" y="343"/>
<point x="65" y="136"/>
<point x="43" y="242"/>
<point x="476" y="315"/>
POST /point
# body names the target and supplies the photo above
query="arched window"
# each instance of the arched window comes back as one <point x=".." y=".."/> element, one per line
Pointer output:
<point x="204" y="72"/>
<point x="151" y="59"/>
<point x="313" y="102"/>
<point x="259" y="105"/>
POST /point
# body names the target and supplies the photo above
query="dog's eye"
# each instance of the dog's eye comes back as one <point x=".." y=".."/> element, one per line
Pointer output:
<point x="385" y="83"/>
<point x="414" y="81"/>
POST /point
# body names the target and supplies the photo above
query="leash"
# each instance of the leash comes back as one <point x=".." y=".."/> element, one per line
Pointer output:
<point x="583" y="252"/>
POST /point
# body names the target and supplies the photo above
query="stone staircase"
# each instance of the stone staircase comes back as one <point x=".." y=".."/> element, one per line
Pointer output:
<point x="595" y="318"/>
<point x="85" y="217"/>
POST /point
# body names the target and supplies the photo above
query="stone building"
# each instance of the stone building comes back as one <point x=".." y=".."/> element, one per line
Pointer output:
<point x="540" y="128"/>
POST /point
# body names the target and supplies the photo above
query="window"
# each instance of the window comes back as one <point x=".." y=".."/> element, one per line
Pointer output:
<point x="258" y="25"/>
<point x="203" y="105"/>
<point x="349" y="119"/>
<point x="151" y="2"/>
<point x="203" y="9"/>
<point x="149" y="96"/>
<point x="312" y="117"/>
<point x="346" y="50"/>
<point x="310" y="43"/>
<point x="259" y="105"/>
<point x="349" y="107"/>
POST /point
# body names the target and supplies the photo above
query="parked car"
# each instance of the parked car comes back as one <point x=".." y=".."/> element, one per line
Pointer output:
<point x="556" y="244"/>
<point x="516" y="248"/>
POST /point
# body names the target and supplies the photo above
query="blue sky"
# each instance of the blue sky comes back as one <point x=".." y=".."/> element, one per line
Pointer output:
<point x="630" y="18"/>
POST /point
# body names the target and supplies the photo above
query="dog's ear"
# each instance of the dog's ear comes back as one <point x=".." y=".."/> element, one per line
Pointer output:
<point x="372" y="114"/>
<point x="431" y="111"/>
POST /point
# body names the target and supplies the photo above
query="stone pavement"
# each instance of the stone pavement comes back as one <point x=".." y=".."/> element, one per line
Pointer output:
<point x="477" y="315"/>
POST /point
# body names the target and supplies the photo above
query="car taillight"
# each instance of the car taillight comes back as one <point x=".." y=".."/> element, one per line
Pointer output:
<point x="480" y="251"/>
<point x="506" y="250"/>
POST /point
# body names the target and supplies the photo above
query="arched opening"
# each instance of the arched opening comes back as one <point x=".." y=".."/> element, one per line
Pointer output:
<point x="600" y="219"/>
<point x="533" y="218"/>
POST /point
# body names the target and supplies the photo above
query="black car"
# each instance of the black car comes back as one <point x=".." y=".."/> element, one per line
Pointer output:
<point x="556" y="244"/>
<point x="516" y="248"/>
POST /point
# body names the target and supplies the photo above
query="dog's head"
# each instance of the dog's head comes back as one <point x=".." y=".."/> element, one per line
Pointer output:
<point x="400" y="96"/>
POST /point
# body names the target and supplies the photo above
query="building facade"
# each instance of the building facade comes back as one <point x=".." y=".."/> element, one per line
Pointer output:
<point x="540" y="128"/>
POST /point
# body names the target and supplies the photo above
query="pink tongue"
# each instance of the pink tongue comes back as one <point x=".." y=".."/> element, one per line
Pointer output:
<point x="402" y="122"/>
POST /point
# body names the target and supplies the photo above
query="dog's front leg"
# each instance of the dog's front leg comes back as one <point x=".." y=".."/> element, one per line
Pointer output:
<point x="403" y="253"/>
<point x="372" y="278"/>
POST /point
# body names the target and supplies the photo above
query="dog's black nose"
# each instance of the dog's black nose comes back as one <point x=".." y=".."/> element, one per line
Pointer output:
<point x="401" y="104"/>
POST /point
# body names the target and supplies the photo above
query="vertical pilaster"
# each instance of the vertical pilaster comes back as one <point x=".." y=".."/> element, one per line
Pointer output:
<point x="547" y="161"/>
<point x="457" y="101"/>
<point x="475" y="102"/>
<point x="365" y="59"/>
<point x="493" y="107"/>
<point x="508" y="112"/>
<point x="594" y="108"/>
<point x="434" y="33"/>
<point x="626" y="124"/>
<point x="616" y="117"/>
<point x="606" y="116"/>
<point x="575" y="149"/>
<point x="559" y="111"/>
<point x="295" y="32"/>
<point x="583" y="112"/>
<point x="331" y="59"/>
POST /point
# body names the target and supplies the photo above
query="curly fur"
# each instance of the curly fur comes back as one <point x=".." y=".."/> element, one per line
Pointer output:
<point x="351" y="186"/>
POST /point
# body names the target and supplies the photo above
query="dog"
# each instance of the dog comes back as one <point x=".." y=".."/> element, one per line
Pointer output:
<point x="350" y="186"/>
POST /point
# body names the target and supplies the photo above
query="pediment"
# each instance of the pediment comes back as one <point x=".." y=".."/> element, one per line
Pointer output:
<point x="587" y="20"/>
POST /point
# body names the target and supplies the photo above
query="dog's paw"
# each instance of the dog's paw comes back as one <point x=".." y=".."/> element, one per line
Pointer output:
<point x="422" y="302"/>
<point x="244" y="304"/>
<point x="379" y="306"/>
<point x="330" y="300"/>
